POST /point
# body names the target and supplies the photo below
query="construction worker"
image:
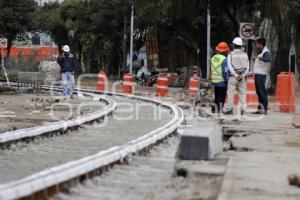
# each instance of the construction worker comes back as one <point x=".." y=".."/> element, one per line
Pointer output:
<point x="261" y="71"/>
<point x="238" y="65"/>
<point x="219" y="76"/>
<point x="67" y="65"/>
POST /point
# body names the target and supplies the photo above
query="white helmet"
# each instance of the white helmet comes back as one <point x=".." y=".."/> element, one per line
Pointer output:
<point x="66" y="49"/>
<point x="238" y="41"/>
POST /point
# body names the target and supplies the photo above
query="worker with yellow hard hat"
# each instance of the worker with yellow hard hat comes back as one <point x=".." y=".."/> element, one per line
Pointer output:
<point x="219" y="76"/>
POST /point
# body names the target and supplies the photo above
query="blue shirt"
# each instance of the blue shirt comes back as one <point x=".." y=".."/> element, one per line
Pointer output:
<point x="267" y="57"/>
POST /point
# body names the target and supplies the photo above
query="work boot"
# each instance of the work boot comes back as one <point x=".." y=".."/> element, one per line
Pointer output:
<point x="260" y="112"/>
<point x="213" y="109"/>
<point x="256" y="113"/>
<point x="243" y="112"/>
<point x="230" y="112"/>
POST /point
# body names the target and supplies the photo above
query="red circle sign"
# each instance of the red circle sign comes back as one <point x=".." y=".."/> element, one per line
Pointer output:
<point x="247" y="30"/>
<point x="3" y="43"/>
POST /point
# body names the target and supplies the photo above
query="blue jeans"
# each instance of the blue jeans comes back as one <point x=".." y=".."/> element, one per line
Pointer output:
<point x="260" y="84"/>
<point x="68" y="83"/>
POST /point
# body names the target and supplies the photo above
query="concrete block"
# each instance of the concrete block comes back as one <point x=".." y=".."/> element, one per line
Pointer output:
<point x="201" y="142"/>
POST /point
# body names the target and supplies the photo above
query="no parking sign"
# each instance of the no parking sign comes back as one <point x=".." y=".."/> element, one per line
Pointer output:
<point x="3" y="42"/>
<point x="247" y="31"/>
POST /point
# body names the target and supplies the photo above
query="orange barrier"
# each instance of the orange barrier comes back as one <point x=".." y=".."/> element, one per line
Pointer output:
<point x="37" y="53"/>
<point x="194" y="86"/>
<point x="128" y="81"/>
<point x="102" y="82"/>
<point x="252" y="98"/>
<point x="162" y="86"/>
<point x="286" y="92"/>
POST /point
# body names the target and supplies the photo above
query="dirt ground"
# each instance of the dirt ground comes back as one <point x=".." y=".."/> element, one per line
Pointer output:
<point x="27" y="110"/>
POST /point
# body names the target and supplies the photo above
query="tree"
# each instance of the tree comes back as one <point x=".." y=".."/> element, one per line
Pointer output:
<point x="15" y="18"/>
<point x="47" y="19"/>
<point x="94" y="28"/>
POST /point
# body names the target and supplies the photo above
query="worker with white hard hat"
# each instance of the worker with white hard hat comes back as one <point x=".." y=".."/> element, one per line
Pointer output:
<point x="68" y="66"/>
<point x="238" y="65"/>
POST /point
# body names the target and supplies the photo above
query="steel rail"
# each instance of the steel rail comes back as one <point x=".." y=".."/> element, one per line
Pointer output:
<point x="49" y="182"/>
<point x="10" y="137"/>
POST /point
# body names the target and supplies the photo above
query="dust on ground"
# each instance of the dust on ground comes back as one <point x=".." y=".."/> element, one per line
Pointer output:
<point x="28" y="110"/>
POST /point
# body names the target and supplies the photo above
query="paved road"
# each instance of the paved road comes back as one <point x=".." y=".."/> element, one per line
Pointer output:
<point x="266" y="152"/>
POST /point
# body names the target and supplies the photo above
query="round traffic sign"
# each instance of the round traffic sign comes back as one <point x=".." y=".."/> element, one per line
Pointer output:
<point x="247" y="30"/>
<point x="3" y="43"/>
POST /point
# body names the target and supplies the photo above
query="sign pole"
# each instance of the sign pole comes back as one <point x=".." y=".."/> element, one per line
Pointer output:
<point x="3" y="44"/>
<point x="131" y="38"/>
<point x="3" y="67"/>
<point x="208" y="41"/>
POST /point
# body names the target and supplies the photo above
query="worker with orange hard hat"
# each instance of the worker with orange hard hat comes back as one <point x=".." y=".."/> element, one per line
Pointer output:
<point x="219" y="76"/>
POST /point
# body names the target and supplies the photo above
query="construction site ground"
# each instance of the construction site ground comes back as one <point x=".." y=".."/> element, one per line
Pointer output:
<point x="29" y="110"/>
<point x="261" y="151"/>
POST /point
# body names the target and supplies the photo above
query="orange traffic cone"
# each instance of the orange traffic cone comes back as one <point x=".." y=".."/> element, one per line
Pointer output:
<point x="102" y="82"/>
<point x="162" y="86"/>
<point x="128" y="82"/>
<point x="252" y="98"/>
<point x="194" y="86"/>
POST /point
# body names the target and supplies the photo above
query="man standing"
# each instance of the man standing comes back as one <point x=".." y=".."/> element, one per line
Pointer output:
<point x="68" y="65"/>
<point x="219" y="76"/>
<point x="238" y="65"/>
<point x="261" y="70"/>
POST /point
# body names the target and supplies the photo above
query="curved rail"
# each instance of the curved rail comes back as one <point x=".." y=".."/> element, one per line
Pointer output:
<point x="61" y="126"/>
<point x="49" y="182"/>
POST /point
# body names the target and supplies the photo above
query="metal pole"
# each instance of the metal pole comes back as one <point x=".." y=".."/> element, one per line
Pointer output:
<point x="125" y="47"/>
<point x="131" y="38"/>
<point x="3" y="68"/>
<point x="208" y="41"/>
<point x="50" y="48"/>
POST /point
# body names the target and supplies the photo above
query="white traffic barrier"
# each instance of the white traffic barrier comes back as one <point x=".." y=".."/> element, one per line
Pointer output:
<point x="71" y="170"/>
<point x="20" y="134"/>
<point x="203" y="142"/>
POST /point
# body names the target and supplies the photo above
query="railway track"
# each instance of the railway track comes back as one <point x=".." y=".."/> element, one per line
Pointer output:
<point x="61" y="127"/>
<point x="89" y="151"/>
<point x="149" y="177"/>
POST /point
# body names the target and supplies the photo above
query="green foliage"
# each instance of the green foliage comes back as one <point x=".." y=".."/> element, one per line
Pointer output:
<point x="48" y="20"/>
<point x="16" y="17"/>
<point x="94" y="28"/>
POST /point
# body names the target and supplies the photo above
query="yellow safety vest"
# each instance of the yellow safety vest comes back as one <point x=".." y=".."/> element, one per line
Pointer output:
<point x="216" y="68"/>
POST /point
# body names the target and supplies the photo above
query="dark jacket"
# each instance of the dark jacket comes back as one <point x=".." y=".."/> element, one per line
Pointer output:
<point x="67" y="64"/>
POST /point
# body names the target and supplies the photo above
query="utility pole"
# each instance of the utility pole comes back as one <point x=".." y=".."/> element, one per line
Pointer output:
<point x="125" y="46"/>
<point x="208" y="41"/>
<point x="131" y="37"/>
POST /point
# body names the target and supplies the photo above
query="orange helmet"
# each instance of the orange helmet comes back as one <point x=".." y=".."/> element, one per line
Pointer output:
<point x="222" y="47"/>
